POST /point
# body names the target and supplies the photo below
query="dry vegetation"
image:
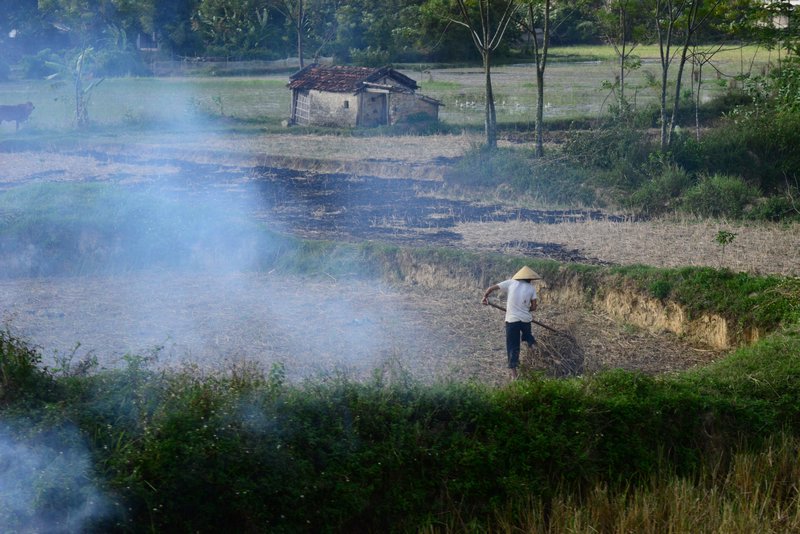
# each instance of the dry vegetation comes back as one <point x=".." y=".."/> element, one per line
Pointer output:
<point x="757" y="248"/>
<point x="314" y="326"/>
<point x="761" y="248"/>
<point x="212" y="321"/>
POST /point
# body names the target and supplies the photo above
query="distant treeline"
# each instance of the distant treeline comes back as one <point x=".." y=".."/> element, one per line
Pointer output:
<point x="367" y="32"/>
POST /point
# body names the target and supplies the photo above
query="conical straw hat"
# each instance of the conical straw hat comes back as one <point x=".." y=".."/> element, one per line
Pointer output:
<point x="526" y="273"/>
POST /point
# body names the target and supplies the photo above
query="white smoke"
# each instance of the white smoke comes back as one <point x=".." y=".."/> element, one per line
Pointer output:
<point x="46" y="484"/>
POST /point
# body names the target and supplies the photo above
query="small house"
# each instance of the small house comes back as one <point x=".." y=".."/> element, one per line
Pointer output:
<point x="356" y="96"/>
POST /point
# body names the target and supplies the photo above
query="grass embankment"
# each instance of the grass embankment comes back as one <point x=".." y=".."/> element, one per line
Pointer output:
<point x="391" y="455"/>
<point x="747" y="301"/>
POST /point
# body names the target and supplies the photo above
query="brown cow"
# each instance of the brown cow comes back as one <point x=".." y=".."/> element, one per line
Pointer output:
<point x="17" y="113"/>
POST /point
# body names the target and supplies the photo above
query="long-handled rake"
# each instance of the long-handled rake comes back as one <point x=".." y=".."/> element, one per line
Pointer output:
<point x="566" y="357"/>
<point x="559" y="332"/>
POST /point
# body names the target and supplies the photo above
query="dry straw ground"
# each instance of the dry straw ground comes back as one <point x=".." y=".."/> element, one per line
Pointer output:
<point x="762" y="248"/>
<point x="430" y="332"/>
<point x="757" y="248"/>
<point x="314" y="326"/>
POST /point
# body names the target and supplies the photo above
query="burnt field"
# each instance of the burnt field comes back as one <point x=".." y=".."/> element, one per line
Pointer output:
<point x="319" y="324"/>
<point x="377" y="200"/>
<point x="315" y="205"/>
<point x="402" y="211"/>
<point x="313" y="327"/>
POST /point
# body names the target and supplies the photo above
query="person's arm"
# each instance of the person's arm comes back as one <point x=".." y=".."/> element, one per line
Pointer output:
<point x="489" y="290"/>
<point x="534" y="304"/>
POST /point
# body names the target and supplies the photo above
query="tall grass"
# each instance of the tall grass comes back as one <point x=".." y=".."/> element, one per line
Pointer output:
<point x="752" y="492"/>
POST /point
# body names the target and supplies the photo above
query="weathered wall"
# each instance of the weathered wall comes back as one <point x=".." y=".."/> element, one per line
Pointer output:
<point x="328" y="109"/>
<point x="404" y="105"/>
<point x="373" y="109"/>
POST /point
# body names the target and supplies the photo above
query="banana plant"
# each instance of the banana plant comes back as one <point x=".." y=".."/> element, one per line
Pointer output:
<point x="75" y="70"/>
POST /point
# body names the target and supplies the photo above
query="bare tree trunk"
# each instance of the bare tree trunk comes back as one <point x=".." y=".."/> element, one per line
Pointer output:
<point x="539" y="113"/>
<point x="677" y="100"/>
<point x="684" y="54"/>
<point x="540" y="56"/>
<point x="81" y="111"/>
<point x="491" y="115"/>
<point x="697" y="100"/>
<point x="487" y="37"/>
<point x="622" y="58"/>
<point x="665" y="51"/>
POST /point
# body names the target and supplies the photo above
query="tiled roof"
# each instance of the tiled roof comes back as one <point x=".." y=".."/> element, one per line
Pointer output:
<point x="343" y="79"/>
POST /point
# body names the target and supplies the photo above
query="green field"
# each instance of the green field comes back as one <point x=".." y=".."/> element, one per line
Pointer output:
<point x="575" y="88"/>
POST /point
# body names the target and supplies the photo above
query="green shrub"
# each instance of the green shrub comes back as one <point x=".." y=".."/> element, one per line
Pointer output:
<point x="549" y="180"/>
<point x="757" y="141"/>
<point x="486" y="167"/>
<point x="660" y="289"/>
<point x="21" y="373"/>
<point x="617" y="150"/>
<point x="660" y="194"/>
<point x="777" y="208"/>
<point x="386" y="455"/>
<point x="719" y="196"/>
<point x="556" y="182"/>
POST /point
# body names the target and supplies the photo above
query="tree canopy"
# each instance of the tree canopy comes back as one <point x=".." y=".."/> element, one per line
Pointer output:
<point x="356" y="31"/>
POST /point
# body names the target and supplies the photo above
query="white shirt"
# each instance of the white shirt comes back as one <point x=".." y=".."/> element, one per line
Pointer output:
<point x="518" y="302"/>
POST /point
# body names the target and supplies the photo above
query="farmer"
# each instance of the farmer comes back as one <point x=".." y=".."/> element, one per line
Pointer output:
<point x="521" y="301"/>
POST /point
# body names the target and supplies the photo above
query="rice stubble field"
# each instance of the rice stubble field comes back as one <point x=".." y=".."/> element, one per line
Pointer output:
<point x="321" y="324"/>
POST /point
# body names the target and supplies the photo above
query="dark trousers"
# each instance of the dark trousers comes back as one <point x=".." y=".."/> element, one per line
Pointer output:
<point x="514" y="333"/>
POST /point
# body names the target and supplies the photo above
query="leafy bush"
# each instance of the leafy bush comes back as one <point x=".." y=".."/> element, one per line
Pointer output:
<point x="21" y="374"/>
<point x="756" y="140"/>
<point x="486" y="167"/>
<point x="379" y="456"/>
<point x="556" y="182"/>
<point x="36" y="67"/>
<point x="777" y="207"/>
<point x="549" y="180"/>
<point x="757" y="148"/>
<point x="618" y="150"/>
<point x="719" y="196"/>
<point x="369" y="57"/>
<point x="660" y="194"/>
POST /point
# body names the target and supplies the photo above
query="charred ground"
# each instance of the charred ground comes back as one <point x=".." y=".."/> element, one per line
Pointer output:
<point x="210" y="320"/>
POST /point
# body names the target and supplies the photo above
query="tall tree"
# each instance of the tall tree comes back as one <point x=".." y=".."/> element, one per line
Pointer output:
<point x="678" y="23"/>
<point x="83" y="21"/>
<point x="487" y="22"/>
